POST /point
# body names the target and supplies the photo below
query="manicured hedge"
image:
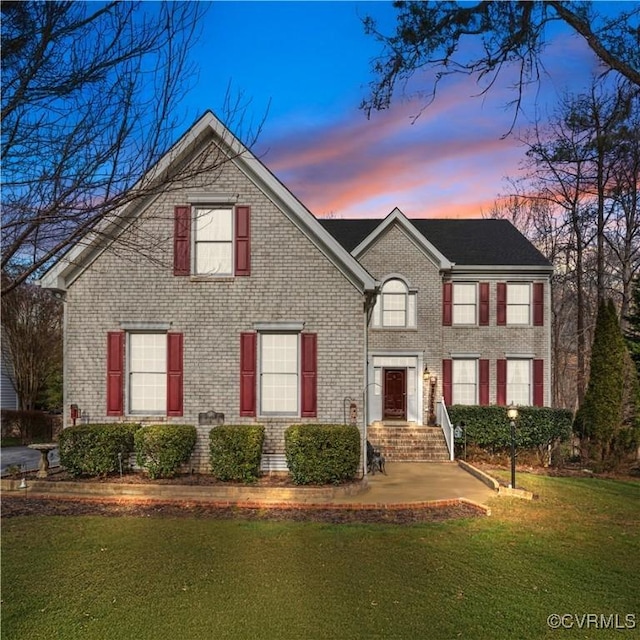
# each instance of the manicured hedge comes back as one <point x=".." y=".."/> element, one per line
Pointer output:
<point x="322" y="453"/>
<point x="235" y="452"/>
<point x="162" y="448"/>
<point x="489" y="428"/>
<point x="93" y="449"/>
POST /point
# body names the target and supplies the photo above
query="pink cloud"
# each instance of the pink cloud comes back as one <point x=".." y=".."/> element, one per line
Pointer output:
<point x="451" y="162"/>
<point x="442" y="165"/>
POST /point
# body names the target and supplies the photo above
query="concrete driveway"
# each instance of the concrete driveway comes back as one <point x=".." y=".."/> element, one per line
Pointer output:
<point x="27" y="459"/>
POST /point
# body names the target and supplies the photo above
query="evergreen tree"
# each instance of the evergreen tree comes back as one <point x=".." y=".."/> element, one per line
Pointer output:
<point x="607" y="420"/>
<point x="632" y="333"/>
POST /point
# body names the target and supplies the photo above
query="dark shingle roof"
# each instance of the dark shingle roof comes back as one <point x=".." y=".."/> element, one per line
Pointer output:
<point x="465" y="242"/>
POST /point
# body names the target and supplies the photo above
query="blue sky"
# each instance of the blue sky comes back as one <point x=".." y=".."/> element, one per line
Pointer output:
<point x="306" y="66"/>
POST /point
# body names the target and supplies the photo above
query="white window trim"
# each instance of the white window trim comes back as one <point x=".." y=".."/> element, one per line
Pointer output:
<point x="475" y="305"/>
<point x="128" y="372"/>
<point x="275" y="414"/>
<point x="476" y="385"/>
<point x="529" y="305"/>
<point x="194" y="239"/>
<point x="410" y="307"/>
<point x="509" y="396"/>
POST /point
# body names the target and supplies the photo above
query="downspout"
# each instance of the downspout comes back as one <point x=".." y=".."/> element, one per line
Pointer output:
<point x="369" y="303"/>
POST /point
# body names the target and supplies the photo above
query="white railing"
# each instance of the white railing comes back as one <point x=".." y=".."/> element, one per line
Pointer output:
<point x="442" y="417"/>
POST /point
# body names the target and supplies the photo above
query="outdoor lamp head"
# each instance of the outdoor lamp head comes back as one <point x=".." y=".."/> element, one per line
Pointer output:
<point x="512" y="412"/>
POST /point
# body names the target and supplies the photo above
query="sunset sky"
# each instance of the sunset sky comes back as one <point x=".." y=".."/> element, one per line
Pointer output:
<point x="306" y="67"/>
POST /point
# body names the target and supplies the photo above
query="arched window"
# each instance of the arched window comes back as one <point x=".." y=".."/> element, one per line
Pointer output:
<point x="395" y="306"/>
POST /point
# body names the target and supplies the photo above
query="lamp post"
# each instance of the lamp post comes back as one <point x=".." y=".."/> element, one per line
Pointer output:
<point x="512" y="414"/>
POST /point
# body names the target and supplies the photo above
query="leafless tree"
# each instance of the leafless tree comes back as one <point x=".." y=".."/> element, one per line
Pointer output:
<point x="89" y="106"/>
<point x="578" y="202"/>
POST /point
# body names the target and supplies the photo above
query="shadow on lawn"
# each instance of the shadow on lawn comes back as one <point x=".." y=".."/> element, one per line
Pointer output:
<point x="27" y="506"/>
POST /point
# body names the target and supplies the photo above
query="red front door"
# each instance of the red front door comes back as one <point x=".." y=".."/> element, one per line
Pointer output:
<point x="395" y="394"/>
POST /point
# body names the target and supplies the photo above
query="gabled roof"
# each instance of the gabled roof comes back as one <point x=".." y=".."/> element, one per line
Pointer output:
<point x="208" y="127"/>
<point x="473" y="242"/>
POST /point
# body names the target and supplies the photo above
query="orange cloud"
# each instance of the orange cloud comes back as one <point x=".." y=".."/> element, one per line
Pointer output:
<point x="449" y="163"/>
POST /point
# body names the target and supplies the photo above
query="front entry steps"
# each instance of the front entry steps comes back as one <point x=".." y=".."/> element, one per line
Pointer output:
<point x="406" y="442"/>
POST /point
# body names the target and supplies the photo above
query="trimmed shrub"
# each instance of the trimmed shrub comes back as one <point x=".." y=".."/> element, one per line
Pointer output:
<point x="162" y="448"/>
<point x="322" y="453"/>
<point x="29" y="426"/>
<point x="92" y="449"/>
<point x="235" y="452"/>
<point x="536" y="428"/>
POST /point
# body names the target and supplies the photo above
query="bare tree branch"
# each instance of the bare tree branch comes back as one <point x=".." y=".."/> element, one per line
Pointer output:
<point x="89" y="107"/>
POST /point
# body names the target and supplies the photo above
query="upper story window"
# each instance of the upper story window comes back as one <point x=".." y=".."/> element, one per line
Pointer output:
<point x="464" y="303"/>
<point x="213" y="241"/>
<point x="395" y="306"/>
<point x="518" y="303"/>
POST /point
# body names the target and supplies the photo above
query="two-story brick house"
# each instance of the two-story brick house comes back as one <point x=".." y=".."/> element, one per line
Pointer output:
<point x="463" y="314"/>
<point x="256" y="309"/>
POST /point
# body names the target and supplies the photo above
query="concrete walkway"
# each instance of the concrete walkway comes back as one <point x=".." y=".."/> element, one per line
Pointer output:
<point x="407" y="482"/>
<point x="405" y="485"/>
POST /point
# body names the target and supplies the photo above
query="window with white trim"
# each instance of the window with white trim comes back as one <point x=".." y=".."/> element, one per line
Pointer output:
<point x="395" y="306"/>
<point x="279" y="374"/>
<point x="464" y="303"/>
<point x="464" y="388"/>
<point x="518" y="303"/>
<point x="147" y="373"/>
<point x="213" y="241"/>
<point x="519" y="382"/>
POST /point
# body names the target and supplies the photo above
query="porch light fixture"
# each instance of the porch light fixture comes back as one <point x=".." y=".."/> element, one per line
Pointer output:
<point x="426" y="375"/>
<point x="512" y="414"/>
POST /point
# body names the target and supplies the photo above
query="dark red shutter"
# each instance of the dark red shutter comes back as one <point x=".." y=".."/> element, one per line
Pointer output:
<point x="538" y="383"/>
<point x="181" y="241"/>
<point x="447" y="381"/>
<point x="538" y="304"/>
<point x="447" y="300"/>
<point x="309" y="366"/>
<point x="483" y="388"/>
<point x="501" y="380"/>
<point x="501" y="308"/>
<point x="174" y="374"/>
<point x="243" y="241"/>
<point x="248" y="352"/>
<point x="115" y="373"/>
<point x="484" y="304"/>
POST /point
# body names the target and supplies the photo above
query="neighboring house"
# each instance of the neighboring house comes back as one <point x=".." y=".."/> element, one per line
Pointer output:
<point x="266" y="314"/>
<point x="8" y="395"/>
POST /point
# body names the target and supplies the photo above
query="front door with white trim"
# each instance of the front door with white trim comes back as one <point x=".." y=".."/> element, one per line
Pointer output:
<point x="395" y="394"/>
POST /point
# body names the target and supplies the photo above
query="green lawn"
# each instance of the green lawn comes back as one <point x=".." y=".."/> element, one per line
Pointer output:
<point x="574" y="551"/>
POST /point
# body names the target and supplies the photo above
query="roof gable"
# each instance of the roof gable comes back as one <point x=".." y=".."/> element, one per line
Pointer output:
<point x="71" y="265"/>
<point x="471" y="242"/>
<point x="397" y="218"/>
